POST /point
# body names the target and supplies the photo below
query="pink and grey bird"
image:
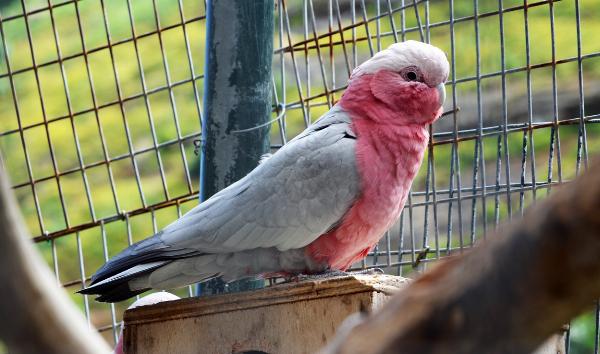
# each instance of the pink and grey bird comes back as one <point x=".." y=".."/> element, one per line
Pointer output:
<point x="321" y="202"/>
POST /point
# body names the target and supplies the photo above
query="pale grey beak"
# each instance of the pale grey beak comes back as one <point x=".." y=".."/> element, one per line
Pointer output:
<point x="441" y="93"/>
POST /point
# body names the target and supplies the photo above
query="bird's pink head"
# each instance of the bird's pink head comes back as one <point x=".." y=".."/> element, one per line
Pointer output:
<point x="407" y="78"/>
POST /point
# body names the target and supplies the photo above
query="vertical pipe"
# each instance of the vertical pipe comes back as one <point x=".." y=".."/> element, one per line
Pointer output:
<point x="237" y="96"/>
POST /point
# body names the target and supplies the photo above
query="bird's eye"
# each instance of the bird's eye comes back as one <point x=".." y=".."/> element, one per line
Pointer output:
<point x="411" y="73"/>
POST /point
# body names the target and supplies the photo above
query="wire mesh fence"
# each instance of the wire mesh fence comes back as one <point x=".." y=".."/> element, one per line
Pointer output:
<point x="101" y="106"/>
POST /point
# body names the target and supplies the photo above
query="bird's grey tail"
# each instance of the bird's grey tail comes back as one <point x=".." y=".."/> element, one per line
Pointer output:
<point x="113" y="280"/>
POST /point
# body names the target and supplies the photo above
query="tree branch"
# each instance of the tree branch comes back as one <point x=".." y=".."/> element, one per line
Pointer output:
<point x="37" y="315"/>
<point x="505" y="296"/>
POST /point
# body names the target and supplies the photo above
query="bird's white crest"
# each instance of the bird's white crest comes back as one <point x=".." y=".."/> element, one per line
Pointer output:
<point x="431" y="60"/>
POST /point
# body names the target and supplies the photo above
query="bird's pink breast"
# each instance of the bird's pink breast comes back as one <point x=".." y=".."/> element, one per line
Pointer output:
<point x="388" y="158"/>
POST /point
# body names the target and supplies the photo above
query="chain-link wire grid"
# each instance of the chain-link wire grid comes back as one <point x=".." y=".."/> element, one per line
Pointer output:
<point x="100" y="106"/>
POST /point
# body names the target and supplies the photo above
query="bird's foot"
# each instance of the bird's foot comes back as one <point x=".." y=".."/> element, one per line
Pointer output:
<point x="332" y="274"/>
<point x="368" y="271"/>
<point x="316" y="276"/>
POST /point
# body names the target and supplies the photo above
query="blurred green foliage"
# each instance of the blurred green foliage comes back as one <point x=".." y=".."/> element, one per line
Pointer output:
<point x="583" y="333"/>
<point x="140" y="115"/>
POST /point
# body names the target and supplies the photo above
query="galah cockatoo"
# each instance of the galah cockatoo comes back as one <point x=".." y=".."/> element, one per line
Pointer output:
<point x="321" y="202"/>
<point x="151" y="299"/>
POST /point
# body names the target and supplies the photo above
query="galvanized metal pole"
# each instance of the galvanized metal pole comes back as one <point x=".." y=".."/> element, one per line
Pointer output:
<point x="237" y="96"/>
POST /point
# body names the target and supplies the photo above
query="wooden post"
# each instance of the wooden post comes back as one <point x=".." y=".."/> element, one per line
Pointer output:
<point x="291" y="318"/>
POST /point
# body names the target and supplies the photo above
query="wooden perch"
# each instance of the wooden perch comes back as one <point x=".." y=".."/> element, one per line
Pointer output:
<point x="505" y="296"/>
<point x="292" y="318"/>
<point x="37" y="315"/>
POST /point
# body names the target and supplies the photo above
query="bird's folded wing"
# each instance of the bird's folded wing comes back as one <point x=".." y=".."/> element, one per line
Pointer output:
<point x="292" y="198"/>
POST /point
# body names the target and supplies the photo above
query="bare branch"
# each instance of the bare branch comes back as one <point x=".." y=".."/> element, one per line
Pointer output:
<point x="505" y="296"/>
<point x="37" y="315"/>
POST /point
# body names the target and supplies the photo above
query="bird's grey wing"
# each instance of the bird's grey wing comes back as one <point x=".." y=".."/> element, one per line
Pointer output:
<point x="289" y="200"/>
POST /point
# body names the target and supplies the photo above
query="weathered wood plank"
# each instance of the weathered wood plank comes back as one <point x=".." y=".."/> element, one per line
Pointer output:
<point x="290" y="318"/>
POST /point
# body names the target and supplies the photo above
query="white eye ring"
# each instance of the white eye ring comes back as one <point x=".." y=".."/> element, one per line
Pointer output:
<point x="411" y="73"/>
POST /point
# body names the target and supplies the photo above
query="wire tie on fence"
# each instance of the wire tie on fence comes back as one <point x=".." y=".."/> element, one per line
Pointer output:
<point x="280" y="107"/>
<point x="455" y="110"/>
<point x="421" y="256"/>
<point x="197" y="146"/>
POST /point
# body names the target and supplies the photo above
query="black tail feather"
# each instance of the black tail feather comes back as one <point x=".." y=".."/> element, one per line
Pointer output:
<point x="119" y="293"/>
<point x="117" y="289"/>
<point x="149" y="250"/>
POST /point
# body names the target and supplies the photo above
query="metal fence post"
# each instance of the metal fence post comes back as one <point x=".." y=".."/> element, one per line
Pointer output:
<point x="237" y="96"/>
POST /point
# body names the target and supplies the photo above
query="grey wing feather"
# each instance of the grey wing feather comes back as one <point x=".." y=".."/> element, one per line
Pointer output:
<point x="287" y="202"/>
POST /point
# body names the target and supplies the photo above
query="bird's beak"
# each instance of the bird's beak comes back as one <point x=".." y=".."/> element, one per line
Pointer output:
<point x="441" y="89"/>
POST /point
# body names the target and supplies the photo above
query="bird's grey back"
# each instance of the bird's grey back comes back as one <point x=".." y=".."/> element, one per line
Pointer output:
<point x="288" y="201"/>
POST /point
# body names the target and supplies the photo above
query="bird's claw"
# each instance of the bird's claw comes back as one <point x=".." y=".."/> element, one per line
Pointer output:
<point x="332" y="274"/>
<point x="368" y="271"/>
